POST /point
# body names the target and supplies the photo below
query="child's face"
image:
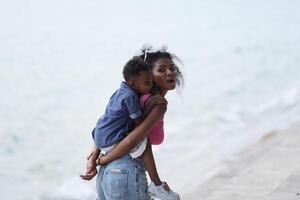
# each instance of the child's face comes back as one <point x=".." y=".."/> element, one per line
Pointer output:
<point x="142" y="84"/>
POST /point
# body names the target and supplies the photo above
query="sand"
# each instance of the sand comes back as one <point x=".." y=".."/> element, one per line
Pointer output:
<point x="267" y="170"/>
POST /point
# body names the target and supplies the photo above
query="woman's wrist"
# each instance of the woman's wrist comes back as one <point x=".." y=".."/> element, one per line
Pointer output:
<point x="93" y="156"/>
<point x="103" y="159"/>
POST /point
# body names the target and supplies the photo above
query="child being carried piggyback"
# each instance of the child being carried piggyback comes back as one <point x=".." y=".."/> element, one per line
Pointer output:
<point x="124" y="112"/>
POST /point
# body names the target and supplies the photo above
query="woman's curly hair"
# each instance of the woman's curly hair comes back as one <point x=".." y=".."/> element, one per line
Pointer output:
<point x="150" y="56"/>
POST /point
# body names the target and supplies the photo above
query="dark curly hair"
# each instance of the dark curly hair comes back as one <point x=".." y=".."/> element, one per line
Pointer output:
<point x="133" y="68"/>
<point x="150" y="56"/>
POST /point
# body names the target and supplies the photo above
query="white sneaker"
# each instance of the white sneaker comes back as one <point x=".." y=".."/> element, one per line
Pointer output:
<point x="161" y="193"/>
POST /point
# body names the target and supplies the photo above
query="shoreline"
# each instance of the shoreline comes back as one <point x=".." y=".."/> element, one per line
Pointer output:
<point x="260" y="171"/>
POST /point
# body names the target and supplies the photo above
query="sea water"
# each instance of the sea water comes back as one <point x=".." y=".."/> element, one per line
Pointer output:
<point x="61" y="60"/>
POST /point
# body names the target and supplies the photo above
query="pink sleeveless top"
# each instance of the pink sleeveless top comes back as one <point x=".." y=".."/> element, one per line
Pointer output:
<point x="156" y="135"/>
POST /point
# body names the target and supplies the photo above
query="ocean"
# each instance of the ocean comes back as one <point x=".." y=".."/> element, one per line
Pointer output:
<point x="61" y="60"/>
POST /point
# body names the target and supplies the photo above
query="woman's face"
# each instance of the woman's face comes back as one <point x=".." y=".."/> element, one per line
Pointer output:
<point x="164" y="74"/>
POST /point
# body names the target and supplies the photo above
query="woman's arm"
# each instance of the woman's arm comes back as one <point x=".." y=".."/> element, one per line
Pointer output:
<point x="135" y="136"/>
<point x="91" y="169"/>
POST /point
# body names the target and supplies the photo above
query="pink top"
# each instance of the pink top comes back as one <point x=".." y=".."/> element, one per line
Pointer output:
<point x="156" y="135"/>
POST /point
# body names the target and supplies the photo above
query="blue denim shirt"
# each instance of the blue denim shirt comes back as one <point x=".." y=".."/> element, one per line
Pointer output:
<point x="123" y="107"/>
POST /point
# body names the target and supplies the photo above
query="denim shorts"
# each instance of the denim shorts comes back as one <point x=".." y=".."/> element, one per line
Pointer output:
<point x="122" y="179"/>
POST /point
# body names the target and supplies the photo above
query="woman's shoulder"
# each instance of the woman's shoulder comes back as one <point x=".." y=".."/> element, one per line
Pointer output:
<point x="150" y="97"/>
<point x="151" y="100"/>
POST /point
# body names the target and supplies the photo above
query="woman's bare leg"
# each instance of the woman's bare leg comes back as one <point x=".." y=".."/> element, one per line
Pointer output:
<point x="150" y="165"/>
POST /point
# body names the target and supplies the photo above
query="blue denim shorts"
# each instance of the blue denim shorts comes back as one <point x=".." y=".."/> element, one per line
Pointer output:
<point x="122" y="179"/>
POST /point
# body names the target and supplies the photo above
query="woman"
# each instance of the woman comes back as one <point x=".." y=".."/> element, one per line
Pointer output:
<point x="124" y="177"/>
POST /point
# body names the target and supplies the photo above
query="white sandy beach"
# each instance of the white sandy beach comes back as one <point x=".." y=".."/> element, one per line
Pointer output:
<point x="266" y="170"/>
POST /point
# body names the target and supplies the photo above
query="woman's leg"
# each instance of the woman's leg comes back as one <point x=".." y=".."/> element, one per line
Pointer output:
<point x="150" y="165"/>
<point x="99" y="181"/>
<point x="141" y="180"/>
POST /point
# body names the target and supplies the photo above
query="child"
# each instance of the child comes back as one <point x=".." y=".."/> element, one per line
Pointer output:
<point x="123" y="112"/>
<point x="123" y="109"/>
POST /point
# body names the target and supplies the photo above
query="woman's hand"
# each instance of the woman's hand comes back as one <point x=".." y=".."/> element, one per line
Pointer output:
<point x="103" y="160"/>
<point x="151" y="102"/>
<point x="91" y="170"/>
<point x="157" y="99"/>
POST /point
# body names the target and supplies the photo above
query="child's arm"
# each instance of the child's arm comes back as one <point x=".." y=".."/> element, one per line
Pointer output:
<point x="137" y="135"/>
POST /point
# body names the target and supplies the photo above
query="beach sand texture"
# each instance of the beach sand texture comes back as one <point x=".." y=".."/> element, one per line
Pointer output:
<point x="267" y="170"/>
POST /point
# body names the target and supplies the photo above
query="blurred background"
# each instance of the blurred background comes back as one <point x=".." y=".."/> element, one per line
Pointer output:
<point x="60" y="61"/>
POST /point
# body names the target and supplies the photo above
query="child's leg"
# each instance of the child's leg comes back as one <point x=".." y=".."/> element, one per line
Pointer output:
<point x="150" y="165"/>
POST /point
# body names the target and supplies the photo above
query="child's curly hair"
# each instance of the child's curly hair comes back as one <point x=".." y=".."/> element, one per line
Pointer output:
<point x="133" y="68"/>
